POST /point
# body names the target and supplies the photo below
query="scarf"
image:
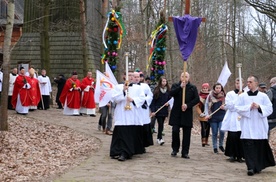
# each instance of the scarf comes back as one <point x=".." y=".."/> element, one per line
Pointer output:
<point x="163" y="90"/>
<point x="215" y="97"/>
<point x="202" y="97"/>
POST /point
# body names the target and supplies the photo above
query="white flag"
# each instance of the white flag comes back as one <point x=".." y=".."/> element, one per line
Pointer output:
<point x="171" y="103"/>
<point x="103" y="90"/>
<point x="224" y="75"/>
<point x="110" y="74"/>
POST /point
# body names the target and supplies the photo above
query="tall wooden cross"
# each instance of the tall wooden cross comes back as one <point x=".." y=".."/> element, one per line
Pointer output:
<point x="187" y="12"/>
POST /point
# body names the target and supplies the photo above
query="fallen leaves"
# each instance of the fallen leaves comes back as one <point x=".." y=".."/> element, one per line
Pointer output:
<point x="33" y="150"/>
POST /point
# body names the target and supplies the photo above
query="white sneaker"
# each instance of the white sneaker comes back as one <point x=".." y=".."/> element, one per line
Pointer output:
<point x="160" y="141"/>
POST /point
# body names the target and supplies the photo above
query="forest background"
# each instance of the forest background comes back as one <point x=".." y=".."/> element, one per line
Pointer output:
<point x="236" y="31"/>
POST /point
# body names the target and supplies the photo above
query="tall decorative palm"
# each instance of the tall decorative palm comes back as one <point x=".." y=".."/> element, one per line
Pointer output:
<point x="158" y="50"/>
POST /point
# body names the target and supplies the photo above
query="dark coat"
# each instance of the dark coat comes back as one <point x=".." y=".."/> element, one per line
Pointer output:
<point x="177" y="116"/>
<point x="219" y="115"/>
<point x="60" y="84"/>
<point x="160" y="101"/>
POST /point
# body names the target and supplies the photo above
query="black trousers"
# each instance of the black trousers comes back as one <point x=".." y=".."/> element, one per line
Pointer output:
<point x="46" y="102"/>
<point x="152" y="122"/>
<point x="186" y="139"/>
<point x="9" y="103"/>
<point x="160" y="121"/>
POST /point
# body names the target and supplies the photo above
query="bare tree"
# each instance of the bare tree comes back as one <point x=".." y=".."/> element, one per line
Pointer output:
<point x="6" y="63"/>
<point x="267" y="7"/>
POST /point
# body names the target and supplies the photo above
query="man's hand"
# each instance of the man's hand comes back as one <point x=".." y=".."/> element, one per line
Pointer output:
<point x="254" y="106"/>
<point x="184" y="107"/>
<point x="152" y="114"/>
<point x="183" y="84"/>
<point x="125" y="87"/>
<point x="129" y="99"/>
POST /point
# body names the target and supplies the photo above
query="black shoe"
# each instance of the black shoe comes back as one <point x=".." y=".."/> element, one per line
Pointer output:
<point x="122" y="158"/>
<point x="221" y="148"/>
<point x="174" y="153"/>
<point x="216" y="151"/>
<point x="232" y="159"/>
<point x="185" y="156"/>
<point x="240" y="160"/>
<point x="93" y="115"/>
<point x="250" y="172"/>
<point x="257" y="172"/>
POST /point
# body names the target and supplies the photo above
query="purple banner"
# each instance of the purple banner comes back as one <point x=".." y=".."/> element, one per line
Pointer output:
<point x="186" y="32"/>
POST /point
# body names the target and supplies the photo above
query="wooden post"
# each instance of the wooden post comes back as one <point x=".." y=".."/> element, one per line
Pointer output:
<point x="184" y="88"/>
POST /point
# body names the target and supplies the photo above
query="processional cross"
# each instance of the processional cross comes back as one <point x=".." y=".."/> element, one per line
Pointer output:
<point x="187" y="12"/>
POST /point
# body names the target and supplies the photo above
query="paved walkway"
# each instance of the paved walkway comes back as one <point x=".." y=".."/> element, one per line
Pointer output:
<point x="156" y="165"/>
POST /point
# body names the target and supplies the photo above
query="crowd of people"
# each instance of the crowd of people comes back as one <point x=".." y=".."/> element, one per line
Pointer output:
<point x="246" y="116"/>
<point x="29" y="91"/>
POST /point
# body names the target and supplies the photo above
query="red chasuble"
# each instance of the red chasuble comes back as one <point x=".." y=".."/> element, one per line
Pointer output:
<point x="24" y="93"/>
<point x="34" y="91"/>
<point x="88" y="97"/>
<point x="72" y="92"/>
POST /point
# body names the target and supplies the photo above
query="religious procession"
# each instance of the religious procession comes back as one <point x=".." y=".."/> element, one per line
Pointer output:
<point x="133" y="106"/>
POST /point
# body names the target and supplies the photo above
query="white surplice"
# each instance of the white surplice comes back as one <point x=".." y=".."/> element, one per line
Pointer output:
<point x="231" y="121"/>
<point x="254" y="124"/>
<point x="45" y="85"/>
<point x="124" y="117"/>
<point x="145" y="113"/>
<point x="11" y="83"/>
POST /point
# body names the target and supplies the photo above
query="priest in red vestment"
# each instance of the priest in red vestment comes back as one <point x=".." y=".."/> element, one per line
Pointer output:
<point x="71" y="95"/>
<point x="88" y="105"/>
<point x="34" y="91"/>
<point x="21" y="99"/>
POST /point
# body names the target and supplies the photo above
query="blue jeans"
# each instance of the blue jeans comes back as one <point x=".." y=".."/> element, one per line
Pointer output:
<point x="107" y="113"/>
<point x="215" y="126"/>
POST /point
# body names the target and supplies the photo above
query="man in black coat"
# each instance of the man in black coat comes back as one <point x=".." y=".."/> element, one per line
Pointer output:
<point x="182" y="114"/>
<point x="60" y="84"/>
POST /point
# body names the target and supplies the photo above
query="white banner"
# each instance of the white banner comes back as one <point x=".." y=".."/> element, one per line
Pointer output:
<point x="224" y="75"/>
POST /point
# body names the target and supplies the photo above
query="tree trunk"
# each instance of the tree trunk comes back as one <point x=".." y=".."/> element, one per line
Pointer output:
<point x="44" y="38"/>
<point x="83" y="37"/>
<point x="234" y="37"/>
<point x="144" y="29"/>
<point x="6" y="67"/>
